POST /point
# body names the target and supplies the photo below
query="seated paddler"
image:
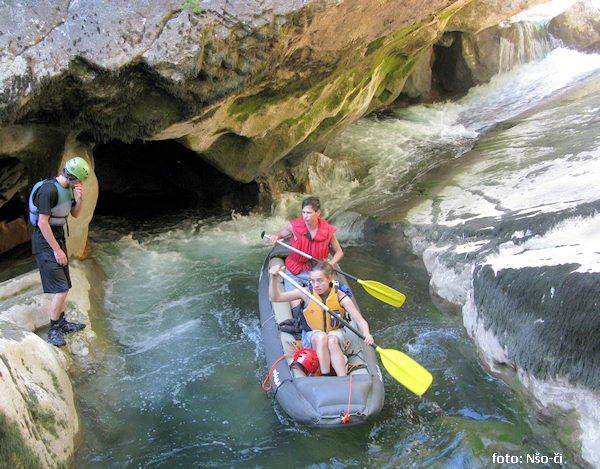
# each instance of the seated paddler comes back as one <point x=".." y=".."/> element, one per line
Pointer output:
<point x="311" y="234"/>
<point x="320" y="330"/>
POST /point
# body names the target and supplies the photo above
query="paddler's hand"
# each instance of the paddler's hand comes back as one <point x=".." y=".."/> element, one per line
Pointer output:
<point x="78" y="188"/>
<point x="369" y="339"/>
<point x="61" y="257"/>
<point x="274" y="271"/>
<point x="273" y="238"/>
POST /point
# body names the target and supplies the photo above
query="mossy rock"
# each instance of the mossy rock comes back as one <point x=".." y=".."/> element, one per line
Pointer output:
<point x="14" y="452"/>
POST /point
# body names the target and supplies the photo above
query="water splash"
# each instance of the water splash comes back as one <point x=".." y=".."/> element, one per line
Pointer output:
<point x="392" y="153"/>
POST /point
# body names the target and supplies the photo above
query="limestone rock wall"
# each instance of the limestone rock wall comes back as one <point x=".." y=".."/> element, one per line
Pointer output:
<point x="243" y="83"/>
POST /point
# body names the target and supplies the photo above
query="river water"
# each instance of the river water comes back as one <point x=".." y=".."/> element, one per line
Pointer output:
<point x="179" y="381"/>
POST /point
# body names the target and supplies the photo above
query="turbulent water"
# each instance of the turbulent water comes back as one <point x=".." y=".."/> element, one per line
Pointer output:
<point x="179" y="383"/>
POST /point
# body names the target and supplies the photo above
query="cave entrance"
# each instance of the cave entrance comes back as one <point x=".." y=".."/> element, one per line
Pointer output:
<point x="147" y="179"/>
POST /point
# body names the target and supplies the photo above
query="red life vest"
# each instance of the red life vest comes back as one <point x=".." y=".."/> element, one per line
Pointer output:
<point x="318" y="247"/>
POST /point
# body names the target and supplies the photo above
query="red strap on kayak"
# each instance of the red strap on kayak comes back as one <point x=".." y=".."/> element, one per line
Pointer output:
<point x="268" y="378"/>
<point x="346" y="417"/>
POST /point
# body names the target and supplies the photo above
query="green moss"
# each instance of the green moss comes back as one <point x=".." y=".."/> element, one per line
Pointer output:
<point x="46" y="420"/>
<point x="193" y="5"/>
<point x="43" y="419"/>
<point x="395" y="68"/>
<point x="311" y="86"/>
<point x="315" y="92"/>
<point x="14" y="452"/>
<point x="567" y="429"/>
<point x="399" y="36"/>
<point x="331" y="96"/>
<point x="325" y="125"/>
<point x="18" y="293"/>
<point x="423" y="187"/>
<point x="385" y="96"/>
<point x="373" y="46"/>
<point x="245" y="106"/>
<point x="448" y="13"/>
<point x="55" y="383"/>
<point x="343" y="90"/>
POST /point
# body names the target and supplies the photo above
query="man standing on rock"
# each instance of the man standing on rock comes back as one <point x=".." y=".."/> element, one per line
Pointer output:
<point x="50" y="203"/>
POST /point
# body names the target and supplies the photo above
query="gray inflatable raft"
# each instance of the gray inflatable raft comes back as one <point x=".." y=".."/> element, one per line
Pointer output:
<point x="320" y="401"/>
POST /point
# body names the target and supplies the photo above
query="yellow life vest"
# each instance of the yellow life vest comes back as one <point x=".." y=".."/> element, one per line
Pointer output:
<point x="316" y="317"/>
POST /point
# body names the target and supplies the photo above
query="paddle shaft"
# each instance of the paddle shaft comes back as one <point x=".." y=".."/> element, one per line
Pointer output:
<point x="322" y="305"/>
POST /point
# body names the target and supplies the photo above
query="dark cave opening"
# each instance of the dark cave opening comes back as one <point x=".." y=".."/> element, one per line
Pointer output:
<point x="13" y="183"/>
<point x="147" y="179"/>
<point x="450" y="73"/>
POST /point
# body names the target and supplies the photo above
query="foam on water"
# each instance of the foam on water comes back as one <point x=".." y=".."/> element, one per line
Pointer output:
<point x="491" y="189"/>
<point x="510" y="93"/>
<point x="573" y="241"/>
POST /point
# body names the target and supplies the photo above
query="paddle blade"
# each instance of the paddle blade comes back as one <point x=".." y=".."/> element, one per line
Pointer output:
<point x="405" y="370"/>
<point x="383" y="292"/>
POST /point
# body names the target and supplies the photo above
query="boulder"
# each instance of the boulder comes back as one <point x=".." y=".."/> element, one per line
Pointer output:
<point x="38" y="415"/>
<point x="13" y="233"/>
<point x="36" y="397"/>
<point x="579" y="26"/>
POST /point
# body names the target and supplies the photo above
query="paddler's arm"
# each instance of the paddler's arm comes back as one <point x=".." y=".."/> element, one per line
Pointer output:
<point x="282" y="234"/>
<point x="362" y="323"/>
<point x="280" y="296"/>
<point x="338" y="253"/>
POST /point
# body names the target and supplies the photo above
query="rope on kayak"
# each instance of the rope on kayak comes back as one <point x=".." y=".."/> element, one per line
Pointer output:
<point x="346" y="416"/>
<point x="267" y="320"/>
<point x="268" y="378"/>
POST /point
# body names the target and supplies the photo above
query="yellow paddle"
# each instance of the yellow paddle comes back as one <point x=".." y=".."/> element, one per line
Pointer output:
<point x="402" y="368"/>
<point x="378" y="290"/>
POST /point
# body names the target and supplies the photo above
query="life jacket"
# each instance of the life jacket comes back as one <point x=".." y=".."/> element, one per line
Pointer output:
<point x="60" y="212"/>
<point x="317" y="247"/>
<point x="315" y="317"/>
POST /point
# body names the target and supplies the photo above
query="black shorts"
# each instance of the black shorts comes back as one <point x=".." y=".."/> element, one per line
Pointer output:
<point x="55" y="277"/>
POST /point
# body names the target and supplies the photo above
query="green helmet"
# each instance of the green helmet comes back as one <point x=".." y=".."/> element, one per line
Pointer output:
<point x="78" y="168"/>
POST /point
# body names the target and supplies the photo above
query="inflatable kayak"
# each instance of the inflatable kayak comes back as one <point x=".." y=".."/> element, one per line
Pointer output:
<point x="321" y="401"/>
